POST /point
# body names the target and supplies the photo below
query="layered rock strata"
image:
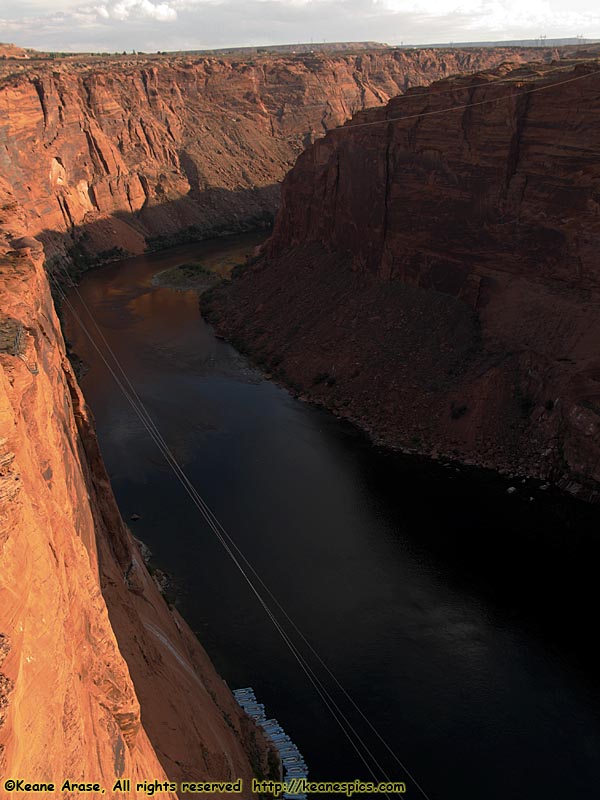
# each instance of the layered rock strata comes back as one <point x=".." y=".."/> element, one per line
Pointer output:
<point x="436" y="278"/>
<point x="372" y="296"/>
<point x="99" y="678"/>
<point x="103" y="154"/>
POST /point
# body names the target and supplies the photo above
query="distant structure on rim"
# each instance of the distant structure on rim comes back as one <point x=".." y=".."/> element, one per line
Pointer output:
<point x="292" y="49"/>
<point x="541" y="41"/>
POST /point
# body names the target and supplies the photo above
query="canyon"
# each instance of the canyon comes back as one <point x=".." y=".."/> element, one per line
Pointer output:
<point x="106" y="156"/>
<point x="435" y="278"/>
<point x="100" y="158"/>
<point x="99" y="678"/>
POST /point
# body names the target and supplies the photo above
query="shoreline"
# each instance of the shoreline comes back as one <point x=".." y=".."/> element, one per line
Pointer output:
<point x="438" y="458"/>
<point x="209" y="278"/>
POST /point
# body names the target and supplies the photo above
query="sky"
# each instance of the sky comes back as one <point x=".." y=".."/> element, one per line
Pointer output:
<point x="151" y="25"/>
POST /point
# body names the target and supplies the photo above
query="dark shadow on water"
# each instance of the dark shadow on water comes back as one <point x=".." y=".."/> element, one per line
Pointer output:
<point x="530" y="555"/>
<point x="199" y="215"/>
<point x="458" y="616"/>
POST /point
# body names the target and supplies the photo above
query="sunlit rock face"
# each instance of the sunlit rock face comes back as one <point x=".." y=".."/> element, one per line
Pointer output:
<point x="98" y="677"/>
<point x="104" y="153"/>
<point x="437" y="279"/>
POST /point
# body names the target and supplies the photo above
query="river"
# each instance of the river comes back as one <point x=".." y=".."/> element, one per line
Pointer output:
<point x="459" y="617"/>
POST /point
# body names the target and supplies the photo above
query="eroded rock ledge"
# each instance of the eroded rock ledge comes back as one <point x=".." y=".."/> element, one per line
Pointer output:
<point x="437" y="280"/>
<point x="105" y="154"/>
<point x="99" y="678"/>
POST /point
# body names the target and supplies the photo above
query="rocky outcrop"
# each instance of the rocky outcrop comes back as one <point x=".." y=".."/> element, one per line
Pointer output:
<point x="436" y="277"/>
<point x="99" y="678"/>
<point x="105" y="153"/>
<point x="12" y="51"/>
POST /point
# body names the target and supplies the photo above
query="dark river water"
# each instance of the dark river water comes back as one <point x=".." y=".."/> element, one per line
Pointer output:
<point x="461" y="619"/>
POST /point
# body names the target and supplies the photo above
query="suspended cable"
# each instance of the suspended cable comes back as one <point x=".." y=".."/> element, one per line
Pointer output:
<point x="223" y="537"/>
<point x="218" y="529"/>
<point x="214" y="522"/>
<point x="351" y="127"/>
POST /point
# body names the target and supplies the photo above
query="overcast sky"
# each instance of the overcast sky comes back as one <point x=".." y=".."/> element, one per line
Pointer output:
<point x="150" y="25"/>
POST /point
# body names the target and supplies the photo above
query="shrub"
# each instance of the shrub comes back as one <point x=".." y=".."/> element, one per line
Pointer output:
<point x="456" y="412"/>
<point x="526" y="405"/>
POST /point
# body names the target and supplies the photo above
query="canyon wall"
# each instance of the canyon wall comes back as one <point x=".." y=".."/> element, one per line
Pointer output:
<point x="102" y="154"/>
<point x="436" y="278"/>
<point x="99" y="678"/>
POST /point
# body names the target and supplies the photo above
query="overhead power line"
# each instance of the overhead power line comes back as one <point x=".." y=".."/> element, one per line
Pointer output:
<point x="545" y="87"/>
<point x="235" y="554"/>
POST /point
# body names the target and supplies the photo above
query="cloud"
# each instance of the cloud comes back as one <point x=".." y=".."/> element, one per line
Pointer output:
<point x="123" y="10"/>
<point x="501" y="16"/>
<point x="198" y="24"/>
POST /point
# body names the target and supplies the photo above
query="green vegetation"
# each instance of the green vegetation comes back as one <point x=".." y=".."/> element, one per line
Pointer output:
<point x="193" y="233"/>
<point x="273" y="760"/>
<point x="191" y="275"/>
<point x="324" y="377"/>
<point x="591" y="405"/>
<point x="196" y="233"/>
<point x="526" y="405"/>
<point x="456" y="412"/>
<point x="229" y="721"/>
<point x="82" y="259"/>
<point x="193" y="269"/>
<point x="243" y="265"/>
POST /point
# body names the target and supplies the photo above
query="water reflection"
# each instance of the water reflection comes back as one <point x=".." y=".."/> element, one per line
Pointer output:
<point x="456" y="615"/>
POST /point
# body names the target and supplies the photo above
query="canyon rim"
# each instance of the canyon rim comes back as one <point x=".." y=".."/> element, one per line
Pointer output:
<point x="390" y="239"/>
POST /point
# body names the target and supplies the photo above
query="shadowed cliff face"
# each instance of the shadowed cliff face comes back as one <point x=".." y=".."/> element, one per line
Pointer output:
<point x="99" y="679"/>
<point x="97" y="676"/>
<point x="437" y="279"/>
<point x="116" y="144"/>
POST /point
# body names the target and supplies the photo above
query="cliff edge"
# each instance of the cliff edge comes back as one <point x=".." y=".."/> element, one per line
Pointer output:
<point x="99" y="678"/>
<point x="435" y="278"/>
<point x="106" y="154"/>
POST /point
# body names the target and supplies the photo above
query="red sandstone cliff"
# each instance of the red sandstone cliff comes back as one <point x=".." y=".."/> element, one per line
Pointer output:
<point x="108" y="152"/>
<point x="99" y="679"/>
<point x="438" y="280"/>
